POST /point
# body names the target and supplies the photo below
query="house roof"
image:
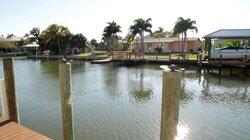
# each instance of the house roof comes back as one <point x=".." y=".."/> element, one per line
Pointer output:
<point x="229" y="33"/>
<point x="32" y="45"/>
<point x="14" y="38"/>
<point x="166" y="40"/>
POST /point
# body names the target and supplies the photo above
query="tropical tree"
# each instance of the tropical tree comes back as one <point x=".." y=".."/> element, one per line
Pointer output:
<point x="110" y="33"/>
<point x="160" y="30"/>
<point x="78" y="41"/>
<point x="56" y="35"/>
<point x="158" y="50"/>
<point x="160" y="33"/>
<point x="181" y="27"/>
<point x="141" y="26"/>
<point x="94" y="43"/>
<point x="10" y="35"/>
<point x="35" y="35"/>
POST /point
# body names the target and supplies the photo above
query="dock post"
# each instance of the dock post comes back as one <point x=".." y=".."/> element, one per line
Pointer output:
<point x="220" y="65"/>
<point x="66" y="100"/>
<point x="9" y="77"/>
<point x="170" y="104"/>
<point x="199" y="57"/>
<point x="245" y="66"/>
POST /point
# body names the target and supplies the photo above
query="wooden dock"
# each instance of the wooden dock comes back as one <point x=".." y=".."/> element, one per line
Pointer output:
<point x="14" y="131"/>
<point x="219" y="64"/>
<point x="152" y="61"/>
<point x="234" y="64"/>
<point x="10" y="129"/>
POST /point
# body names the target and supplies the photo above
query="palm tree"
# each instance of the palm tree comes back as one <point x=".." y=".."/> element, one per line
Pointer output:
<point x="159" y="33"/>
<point x="181" y="27"/>
<point x="160" y="30"/>
<point x="35" y="33"/>
<point x="140" y="27"/>
<point x="55" y="33"/>
<point x="10" y="35"/>
<point x="110" y="33"/>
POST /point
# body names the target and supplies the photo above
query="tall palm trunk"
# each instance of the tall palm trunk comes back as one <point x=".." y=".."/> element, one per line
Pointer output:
<point x="185" y="42"/>
<point x="142" y="45"/>
<point x="113" y="42"/>
<point x="182" y="45"/>
<point x="179" y="46"/>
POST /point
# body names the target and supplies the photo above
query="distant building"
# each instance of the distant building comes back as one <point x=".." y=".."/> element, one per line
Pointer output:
<point x="168" y="44"/>
<point x="11" y="39"/>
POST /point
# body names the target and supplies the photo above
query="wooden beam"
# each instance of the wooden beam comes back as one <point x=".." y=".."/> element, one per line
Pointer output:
<point x="170" y="104"/>
<point x="10" y="87"/>
<point x="66" y="100"/>
<point x="3" y="96"/>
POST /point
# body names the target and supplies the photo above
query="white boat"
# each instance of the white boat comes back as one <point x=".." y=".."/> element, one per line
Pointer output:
<point x="231" y="53"/>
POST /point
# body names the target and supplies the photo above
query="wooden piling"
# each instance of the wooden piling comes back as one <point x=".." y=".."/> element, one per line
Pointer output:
<point x="3" y="96"/>
<point x="220" y="65"/>
<point x="170" y="104"/>
<point x="11" y="97"/>
<point x="66" y="100"/>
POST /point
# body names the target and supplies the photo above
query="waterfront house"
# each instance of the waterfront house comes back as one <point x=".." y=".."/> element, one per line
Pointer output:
<point x="168" y="44"/>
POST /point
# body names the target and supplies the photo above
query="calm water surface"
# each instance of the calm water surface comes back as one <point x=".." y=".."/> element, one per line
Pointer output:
<point x="124" y="103"/>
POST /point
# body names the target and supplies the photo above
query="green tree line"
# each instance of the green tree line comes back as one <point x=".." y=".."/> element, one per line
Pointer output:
<point x="58" y="39"/>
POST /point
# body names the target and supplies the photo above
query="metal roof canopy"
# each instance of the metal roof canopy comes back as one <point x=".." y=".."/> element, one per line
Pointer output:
<point x="229" y="34"/>
<point x="33" y="45"/>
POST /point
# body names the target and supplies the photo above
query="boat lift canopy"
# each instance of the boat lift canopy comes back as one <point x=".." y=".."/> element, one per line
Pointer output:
<point x="225" y="34"/>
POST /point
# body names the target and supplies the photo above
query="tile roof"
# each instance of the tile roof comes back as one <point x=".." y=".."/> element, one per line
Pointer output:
<point x="229" y="33"/>
<point x="165" y="40"/>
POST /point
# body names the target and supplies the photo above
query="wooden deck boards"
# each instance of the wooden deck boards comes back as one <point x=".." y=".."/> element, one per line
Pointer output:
<point x="14" y="131"/>
<point x="236" y="64"/>
<point x="1" y="119"/>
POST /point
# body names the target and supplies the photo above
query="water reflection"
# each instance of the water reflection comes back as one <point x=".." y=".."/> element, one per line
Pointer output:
<point x="125" y="102"/>
<point x="141" y="95"/>
<point x="229" y="91"/>
<point x="111" y="82"/>
<point x="182" y="132"/>
<point x="184" y="95"/>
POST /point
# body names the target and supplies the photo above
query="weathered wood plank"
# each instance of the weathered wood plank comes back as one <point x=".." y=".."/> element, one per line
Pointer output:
<point x="66" y="100"/>
<point x="14" y="131"/>
<point x="2" y="119"/>
<point x="170" y="104"/>
<point x="3" y="96"/>
<point x="9" y="77"/>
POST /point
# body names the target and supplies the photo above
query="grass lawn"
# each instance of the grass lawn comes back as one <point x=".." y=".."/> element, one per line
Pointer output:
<point x="97" y="54"/>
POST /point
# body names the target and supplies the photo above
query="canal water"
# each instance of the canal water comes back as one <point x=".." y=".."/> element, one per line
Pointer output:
<point x="124" y="103"/>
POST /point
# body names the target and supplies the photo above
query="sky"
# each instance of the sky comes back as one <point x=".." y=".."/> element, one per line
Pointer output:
<point x="89" y="17"/>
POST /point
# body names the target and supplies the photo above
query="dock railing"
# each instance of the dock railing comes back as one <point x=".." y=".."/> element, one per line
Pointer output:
<point x="155" y="56"/>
